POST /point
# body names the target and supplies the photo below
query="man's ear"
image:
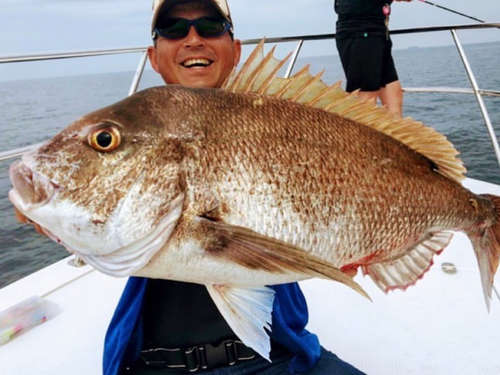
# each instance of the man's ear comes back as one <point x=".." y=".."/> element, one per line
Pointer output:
<point x="152" y="58"/>
<point x="237" y="51"/>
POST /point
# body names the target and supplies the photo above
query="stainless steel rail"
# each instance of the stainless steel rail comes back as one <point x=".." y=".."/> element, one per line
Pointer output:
<point x="294" y="58"/>
<point x="69" y="55"/>
<point x="16" y="152"/>
<point x="138" y="74"/>
<point x="453" y="90"/>
<point x="479" y="93"/>
<point x="480" y="101"/>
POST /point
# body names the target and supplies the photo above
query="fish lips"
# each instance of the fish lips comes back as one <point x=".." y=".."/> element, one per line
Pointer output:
<point x="31" y="190"/>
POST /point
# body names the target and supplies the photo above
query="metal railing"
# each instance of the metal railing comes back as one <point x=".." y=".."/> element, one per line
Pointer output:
<point x="475" y="90"/>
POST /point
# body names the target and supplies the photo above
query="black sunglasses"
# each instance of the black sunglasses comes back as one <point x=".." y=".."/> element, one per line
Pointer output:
<point x="176" y="28"/>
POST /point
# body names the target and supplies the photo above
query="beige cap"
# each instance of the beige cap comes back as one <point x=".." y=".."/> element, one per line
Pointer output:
<point x="159" y="5"/>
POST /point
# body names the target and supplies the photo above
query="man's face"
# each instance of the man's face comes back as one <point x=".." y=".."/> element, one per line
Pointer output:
<point x="195" y="61"/>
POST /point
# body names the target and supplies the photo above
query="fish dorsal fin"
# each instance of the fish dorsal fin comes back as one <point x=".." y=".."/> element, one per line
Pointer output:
<point x="259" y="75"/>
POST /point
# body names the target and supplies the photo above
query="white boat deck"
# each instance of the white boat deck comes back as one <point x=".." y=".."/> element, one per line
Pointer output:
<point x="440" y="326"/>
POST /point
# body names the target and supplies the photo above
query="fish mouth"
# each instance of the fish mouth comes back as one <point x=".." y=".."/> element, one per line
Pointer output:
<point x="31" y="190"/>
<point x="197" y="63"/>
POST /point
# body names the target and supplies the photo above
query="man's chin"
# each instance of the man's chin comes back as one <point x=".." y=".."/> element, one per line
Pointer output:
<point x="208" y="82"/>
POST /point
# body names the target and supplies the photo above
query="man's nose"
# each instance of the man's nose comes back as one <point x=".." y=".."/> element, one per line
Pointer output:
<point x="193" y="39"/>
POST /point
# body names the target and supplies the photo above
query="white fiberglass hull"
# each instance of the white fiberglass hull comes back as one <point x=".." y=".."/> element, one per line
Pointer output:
<point x="440" y="326"/>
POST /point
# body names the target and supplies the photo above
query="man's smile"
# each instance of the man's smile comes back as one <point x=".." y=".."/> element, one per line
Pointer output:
<point x="198" y="62"/>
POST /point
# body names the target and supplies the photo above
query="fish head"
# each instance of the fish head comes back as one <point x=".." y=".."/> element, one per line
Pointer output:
<point x="108" y="187"/>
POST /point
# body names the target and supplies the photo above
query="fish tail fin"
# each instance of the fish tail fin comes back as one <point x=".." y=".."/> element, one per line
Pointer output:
<point x="486" y="244"/>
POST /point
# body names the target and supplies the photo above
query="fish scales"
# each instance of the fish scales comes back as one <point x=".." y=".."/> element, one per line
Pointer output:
<point x="236" y="190"/>
<point x="303" y="159"/>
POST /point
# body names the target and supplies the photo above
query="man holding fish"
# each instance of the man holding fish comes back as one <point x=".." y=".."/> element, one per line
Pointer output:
<point x="268" y="181"/>
<point x="162" y="326"/>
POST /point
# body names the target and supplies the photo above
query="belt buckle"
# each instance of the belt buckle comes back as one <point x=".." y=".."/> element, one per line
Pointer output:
<point x="212" y="356"/>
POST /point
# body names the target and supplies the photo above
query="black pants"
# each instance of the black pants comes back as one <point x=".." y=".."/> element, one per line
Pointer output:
<point x="367" y="62"/>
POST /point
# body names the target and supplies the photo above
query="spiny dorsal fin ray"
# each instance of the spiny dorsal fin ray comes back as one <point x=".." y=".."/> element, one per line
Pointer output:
<point x="257" y="72"/>
<point x="259" y="75"/>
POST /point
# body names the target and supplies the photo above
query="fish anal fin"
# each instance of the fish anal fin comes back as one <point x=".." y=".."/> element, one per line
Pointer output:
<point x="407" y="270"/>
<point x="248" y="312"/>
<point x="255" y="251"/>
<point x="259" y="75"/>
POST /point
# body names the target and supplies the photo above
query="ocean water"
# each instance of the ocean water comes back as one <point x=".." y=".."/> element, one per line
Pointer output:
<point x="34" y="110"/>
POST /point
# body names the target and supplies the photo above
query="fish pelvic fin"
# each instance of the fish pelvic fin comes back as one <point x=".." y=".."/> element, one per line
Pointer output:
<point x="259" y="74"/>
<point x="248" y="312"/>
<point x="407" y="270"/>
<point x="486" y="244"/>
<point x="256" y="251"/>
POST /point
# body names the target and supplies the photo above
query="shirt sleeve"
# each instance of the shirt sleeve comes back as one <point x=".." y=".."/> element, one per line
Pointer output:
<point x="290" y="316"/>
<point x="123" y="339"/>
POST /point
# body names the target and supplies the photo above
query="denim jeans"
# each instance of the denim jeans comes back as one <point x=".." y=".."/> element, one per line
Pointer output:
<point x="328" y="364"/>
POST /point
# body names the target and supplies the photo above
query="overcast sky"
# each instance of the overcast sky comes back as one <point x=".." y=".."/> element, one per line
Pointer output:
<point x="34" y="26"/>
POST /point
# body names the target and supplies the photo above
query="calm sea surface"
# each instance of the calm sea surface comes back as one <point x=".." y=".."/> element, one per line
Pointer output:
<point x="34" y="110"/>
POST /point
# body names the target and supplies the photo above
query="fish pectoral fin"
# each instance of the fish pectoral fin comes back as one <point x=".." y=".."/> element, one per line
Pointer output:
<point x="248" y="313"/>
<point x="256" y="251"/>
<point x="407" y="270"/>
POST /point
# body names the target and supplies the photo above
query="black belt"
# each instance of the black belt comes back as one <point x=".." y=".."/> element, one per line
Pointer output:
<point x="199" y="357"/>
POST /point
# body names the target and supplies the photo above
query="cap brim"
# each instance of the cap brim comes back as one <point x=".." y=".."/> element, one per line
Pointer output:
<point x="164" y="5"/>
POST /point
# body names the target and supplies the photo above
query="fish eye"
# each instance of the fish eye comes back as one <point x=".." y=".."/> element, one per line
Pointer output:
<point x="104" y="139"/>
